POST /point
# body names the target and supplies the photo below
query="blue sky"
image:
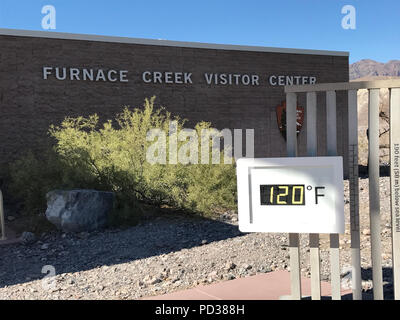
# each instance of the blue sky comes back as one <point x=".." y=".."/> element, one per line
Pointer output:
<point x="309" y="24"/>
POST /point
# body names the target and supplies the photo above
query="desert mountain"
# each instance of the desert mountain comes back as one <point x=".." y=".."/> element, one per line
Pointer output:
<point x="368" y="68"/>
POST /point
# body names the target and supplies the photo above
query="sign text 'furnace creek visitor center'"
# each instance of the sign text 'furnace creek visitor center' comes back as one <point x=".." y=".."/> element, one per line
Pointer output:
<point x="46" y="76"/>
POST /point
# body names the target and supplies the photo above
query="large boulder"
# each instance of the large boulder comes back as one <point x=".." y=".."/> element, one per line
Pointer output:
<point x="79" y="210"/>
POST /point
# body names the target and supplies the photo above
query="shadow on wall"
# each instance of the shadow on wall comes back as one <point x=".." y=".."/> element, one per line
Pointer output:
<point x="71" y="253"/>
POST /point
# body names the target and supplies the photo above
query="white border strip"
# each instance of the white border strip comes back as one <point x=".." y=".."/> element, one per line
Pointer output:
<point x="343" y="86"/>
<point x="168" y="43"/>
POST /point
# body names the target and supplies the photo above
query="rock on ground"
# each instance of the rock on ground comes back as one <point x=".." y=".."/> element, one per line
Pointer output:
<point x="27" y="238"/>
<point x="79" y="210"/>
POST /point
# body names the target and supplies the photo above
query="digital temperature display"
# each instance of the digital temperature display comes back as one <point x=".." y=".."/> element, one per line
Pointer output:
<point x="293" y="194"/>
<point x="277" y="194"/>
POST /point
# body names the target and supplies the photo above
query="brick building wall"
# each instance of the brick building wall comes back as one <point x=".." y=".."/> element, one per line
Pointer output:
<point x="29" y="104"/>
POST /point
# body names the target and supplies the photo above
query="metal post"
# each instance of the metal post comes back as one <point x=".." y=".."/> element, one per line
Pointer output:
<point x="395" y="185"/>
<point x="314" y="237"/>
<point x="3" y="228"/>
<point x="332" y="151"/>
<point x="294" y="246"/>
<point x="354" y="199"/>
<point x="374" y="203"/>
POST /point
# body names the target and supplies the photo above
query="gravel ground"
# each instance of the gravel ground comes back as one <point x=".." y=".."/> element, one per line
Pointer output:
<point x="172" y="253"/>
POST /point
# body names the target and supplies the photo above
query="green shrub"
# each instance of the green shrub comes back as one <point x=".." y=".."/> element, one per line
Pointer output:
<point x="32" y="177"/>
<point x="112" y="157"/>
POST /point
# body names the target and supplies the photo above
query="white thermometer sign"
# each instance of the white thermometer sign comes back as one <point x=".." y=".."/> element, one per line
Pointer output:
<point x="294" y="195"/>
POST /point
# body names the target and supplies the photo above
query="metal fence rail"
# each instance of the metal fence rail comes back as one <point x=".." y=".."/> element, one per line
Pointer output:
<point x="311" y="112"/>
<point x="351" y="88"/>
<point x="291" y="147"/>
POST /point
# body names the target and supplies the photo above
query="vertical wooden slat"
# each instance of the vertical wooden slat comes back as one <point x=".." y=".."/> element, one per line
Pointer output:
<point x="374" y="203"/>
<point x="314" y="237"/>
<point x="311" y="124"/>
<point x="291" y="136"/>
<point x="331" y="123"/>
<point x="395" y="185"/>
<point x="354" y="198"/>
<point x="332" y="151"/>
<point x="291" y="147"/>
<point x="315" y="267"/>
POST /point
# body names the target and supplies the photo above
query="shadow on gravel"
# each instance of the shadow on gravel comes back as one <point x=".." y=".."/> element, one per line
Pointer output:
<point x="74" y="253"/>
<point x="366" y="275"/>
<point x="387" y="276"/>
<point x="384" y="171"/>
